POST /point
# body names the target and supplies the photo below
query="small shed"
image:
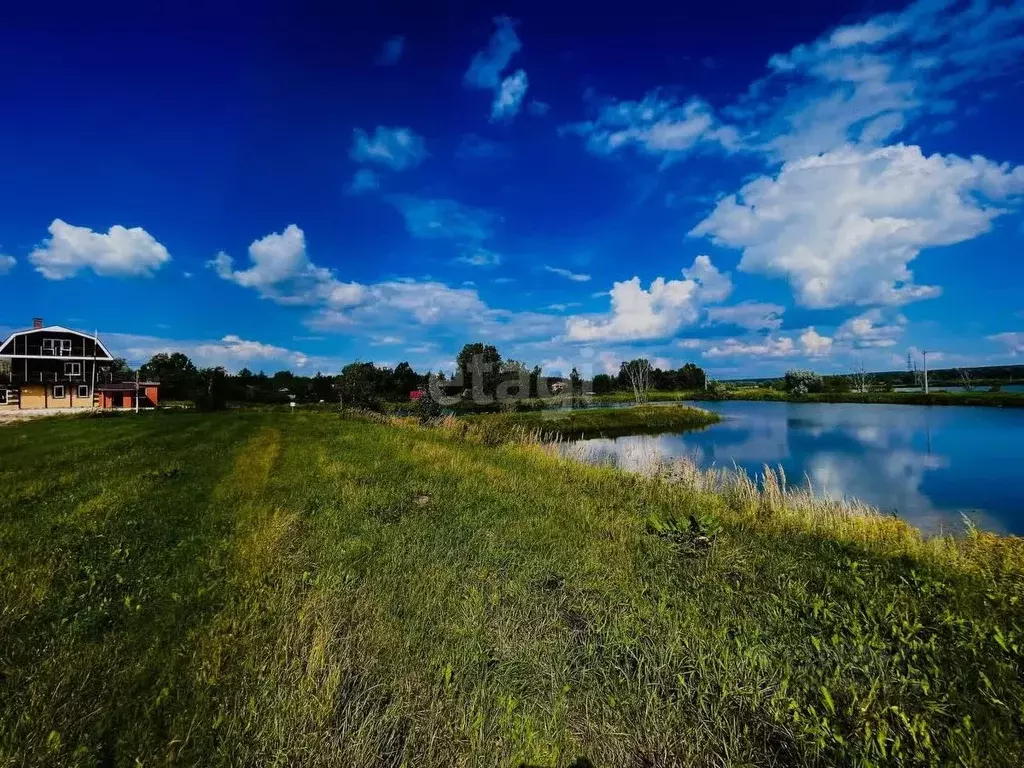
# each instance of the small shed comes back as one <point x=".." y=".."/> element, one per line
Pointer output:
<point x="122" y="394"/>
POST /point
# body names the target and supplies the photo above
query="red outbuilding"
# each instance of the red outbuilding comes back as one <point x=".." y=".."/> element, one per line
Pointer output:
<point x="122" y="394"/>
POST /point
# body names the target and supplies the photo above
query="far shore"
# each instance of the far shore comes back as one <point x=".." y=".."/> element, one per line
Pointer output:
<point x="991" y="399"/>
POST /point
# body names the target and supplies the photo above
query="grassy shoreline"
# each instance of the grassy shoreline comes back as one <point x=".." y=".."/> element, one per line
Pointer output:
<point x="591" y="422"/>
<point x="258" y="588"/>
<point x="990" y="399"/>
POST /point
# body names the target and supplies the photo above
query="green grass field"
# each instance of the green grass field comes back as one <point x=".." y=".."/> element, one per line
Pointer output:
<point x="306" y="589"/>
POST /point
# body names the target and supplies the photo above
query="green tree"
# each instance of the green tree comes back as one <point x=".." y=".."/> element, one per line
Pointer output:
<point x="603" y="384"/>
<point x="576" y="382"/>
<point x="535" y="381"/>
<point x="480" y="365"/>
<point x="177" y="375"/>
<point x="323" y="388"/>
<point x="403" y="381"/>
<point x="212" y="389"/>
<point x="119" y="370"/>
<point x="360" y="385"/>
<point x="691" y="376"/>
<point x="514" y="381"/>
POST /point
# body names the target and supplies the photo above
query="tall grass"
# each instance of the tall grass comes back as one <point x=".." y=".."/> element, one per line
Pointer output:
<point x="307" y="589"/>
<point x="769" y="499"/>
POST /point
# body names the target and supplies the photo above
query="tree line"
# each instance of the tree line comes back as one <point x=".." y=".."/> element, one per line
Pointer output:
<point x="989" y="375"/>
<point x="480" y="371"/>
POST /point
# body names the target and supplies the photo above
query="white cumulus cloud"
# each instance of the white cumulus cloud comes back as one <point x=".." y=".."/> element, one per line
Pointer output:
<point x="657" y="312"/>
<point x="770" y="347"/>
<point x="866" y="82"/>
<point x="872" y="329"/>
<point x="843" y="227"/>
<point x="814" y="344"/>
<point x="6" y="263"/>
<point x="231" y="351"/>
<point x="121" y="252"/>
<point x="280" y="270"/>
<point x="809" y="343"/>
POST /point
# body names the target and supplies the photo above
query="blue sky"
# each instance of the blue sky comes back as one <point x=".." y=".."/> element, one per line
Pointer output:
<point x="752" y="188"/>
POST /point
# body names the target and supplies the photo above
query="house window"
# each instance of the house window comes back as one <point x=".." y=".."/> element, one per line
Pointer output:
<point x="83" y="390"/>
<point x="56" y="346"/>
<point x="72" y="369"/>
<point x="58" y="391"/>
<point x="3" y="397"/>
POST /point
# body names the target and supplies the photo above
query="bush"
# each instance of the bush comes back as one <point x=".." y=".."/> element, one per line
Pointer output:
<point x="800" y="382"/>
<point x="427" y="408"/>
<point x="839" y="385"/>
<point x="715" y="389"/>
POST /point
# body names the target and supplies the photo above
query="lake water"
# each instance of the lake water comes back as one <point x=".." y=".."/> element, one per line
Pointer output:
<point x="926" y="463"/>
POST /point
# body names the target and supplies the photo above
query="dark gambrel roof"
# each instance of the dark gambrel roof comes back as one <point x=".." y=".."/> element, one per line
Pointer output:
<point x="7" y="348"/>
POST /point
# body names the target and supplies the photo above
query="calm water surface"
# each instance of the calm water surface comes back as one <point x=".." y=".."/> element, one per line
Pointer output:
<point x="927" y="464"/>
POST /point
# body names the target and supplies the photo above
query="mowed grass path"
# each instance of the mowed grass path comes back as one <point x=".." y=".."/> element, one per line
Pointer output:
<point x="301" y="589"/>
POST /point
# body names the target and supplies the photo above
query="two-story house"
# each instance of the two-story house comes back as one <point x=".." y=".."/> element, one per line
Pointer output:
<point x="56" y="367"/>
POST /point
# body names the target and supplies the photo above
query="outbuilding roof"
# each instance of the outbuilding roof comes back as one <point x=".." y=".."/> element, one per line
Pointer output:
<point x="125" y="386"/>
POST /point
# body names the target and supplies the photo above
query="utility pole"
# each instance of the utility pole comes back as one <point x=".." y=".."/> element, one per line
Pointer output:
<point x="924" y="354"/>
<point x="92" y="389"/>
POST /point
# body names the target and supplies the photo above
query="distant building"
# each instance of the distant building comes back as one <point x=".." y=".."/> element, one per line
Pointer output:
<point x="50" y="366"/>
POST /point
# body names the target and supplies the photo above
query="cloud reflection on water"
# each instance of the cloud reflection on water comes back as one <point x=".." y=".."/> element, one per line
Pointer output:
<point x="882" y="455"/>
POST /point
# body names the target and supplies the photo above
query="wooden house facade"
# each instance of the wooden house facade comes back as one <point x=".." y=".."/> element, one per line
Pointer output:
<point x="50" y="366"/>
